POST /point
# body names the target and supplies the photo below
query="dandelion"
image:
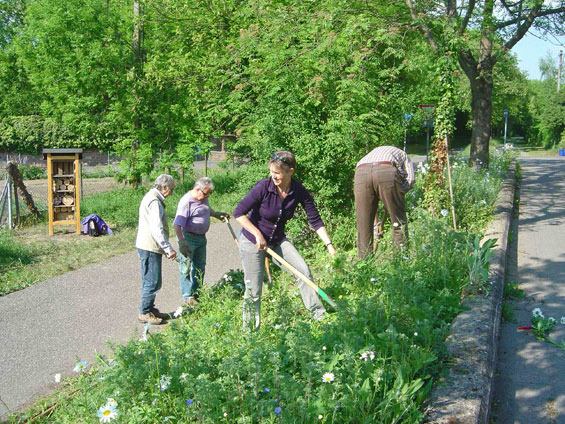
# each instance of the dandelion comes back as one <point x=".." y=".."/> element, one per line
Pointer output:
<point x="178" y="312"/>
<point x="324" y="348"/>
<point x="537" y="313"/>
<point x="188" y="402"/>
<point x="368" y="354"/>
<point x="80" y="366"/>
<point x="278" y="327"/>
<point x="164" y="382"/>
<point x="328" y="377"/>
<point x="444" y="212"/>
<point x="373" y="279"/>
<point x="395" y="224"/>
<point x="320" y="416"/>
<point x="225" y="414"/>
<point x="107" y="413"/>
<point x="278" y="410"/>
<point x="57" y="378"/>
<point x="415" y="333"/>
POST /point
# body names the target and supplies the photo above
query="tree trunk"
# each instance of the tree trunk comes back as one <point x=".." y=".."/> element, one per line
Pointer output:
<point x="481" y="95"/>
<point x="479" y="74"/>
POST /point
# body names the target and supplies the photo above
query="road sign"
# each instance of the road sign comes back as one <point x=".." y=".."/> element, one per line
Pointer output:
<point x="428" y="110"/>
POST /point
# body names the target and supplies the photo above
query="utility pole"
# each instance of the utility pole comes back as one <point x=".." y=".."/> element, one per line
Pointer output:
<point x="559" y="70"/>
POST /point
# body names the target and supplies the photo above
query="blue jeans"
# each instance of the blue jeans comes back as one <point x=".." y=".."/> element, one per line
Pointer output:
<point x="150" y="278"/>
<point x="191" y="273"/>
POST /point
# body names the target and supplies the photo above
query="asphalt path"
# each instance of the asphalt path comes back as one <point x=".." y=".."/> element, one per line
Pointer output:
<point x="530" y="387"/>
<point x="46" y="328"/>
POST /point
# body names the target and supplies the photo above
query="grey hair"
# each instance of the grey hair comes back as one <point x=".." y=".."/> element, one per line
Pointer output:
<point x="204" y="182"/>
<point x="164" y="180"/>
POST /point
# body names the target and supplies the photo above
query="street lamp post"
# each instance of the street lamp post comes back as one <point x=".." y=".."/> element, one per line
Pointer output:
<point x="505" y="124"/>
<point x="406" y="117"/>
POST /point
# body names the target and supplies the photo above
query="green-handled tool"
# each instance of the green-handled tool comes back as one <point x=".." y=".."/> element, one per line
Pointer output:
<point x="288" y="266"/>
<point x="293" y="270"/>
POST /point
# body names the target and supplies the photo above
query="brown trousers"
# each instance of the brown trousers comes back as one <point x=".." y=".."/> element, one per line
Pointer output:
<point x="372" y="183"/>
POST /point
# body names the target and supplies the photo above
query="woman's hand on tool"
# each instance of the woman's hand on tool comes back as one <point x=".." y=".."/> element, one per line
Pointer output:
<point x="260" y="242"/>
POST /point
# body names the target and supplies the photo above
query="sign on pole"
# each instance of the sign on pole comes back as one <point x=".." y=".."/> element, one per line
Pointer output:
<point x="428" y="111"/>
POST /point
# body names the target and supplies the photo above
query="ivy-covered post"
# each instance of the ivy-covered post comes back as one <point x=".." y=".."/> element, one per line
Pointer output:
<point x="435" y="194"/>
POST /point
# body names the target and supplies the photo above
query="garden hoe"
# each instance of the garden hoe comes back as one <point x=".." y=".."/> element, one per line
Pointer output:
<point x="293" y="270"/>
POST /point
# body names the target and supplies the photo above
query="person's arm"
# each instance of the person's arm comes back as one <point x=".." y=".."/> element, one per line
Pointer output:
<point x="260" y="242"/>
<point x="219" y="215"/>
<point x="316" y="222"/>
<point x="157" y="231"/>
<point x="323" y="234"/>
<point x="252" y="199"/>
<point x="410" y="175"/>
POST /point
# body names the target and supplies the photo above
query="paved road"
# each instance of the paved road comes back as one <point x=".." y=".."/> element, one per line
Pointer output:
<point x="49" y="325"/>
<point x="530" y="387"/>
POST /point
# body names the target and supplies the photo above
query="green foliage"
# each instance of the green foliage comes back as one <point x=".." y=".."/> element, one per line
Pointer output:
<point x="30" y="172"/>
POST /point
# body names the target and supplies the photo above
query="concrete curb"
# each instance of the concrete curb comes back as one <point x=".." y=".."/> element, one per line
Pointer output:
<point x="464" y="395"/>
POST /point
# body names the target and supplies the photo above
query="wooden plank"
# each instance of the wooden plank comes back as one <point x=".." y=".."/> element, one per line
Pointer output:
<point x="77" y="192"/>
<point x="50" y="191"/>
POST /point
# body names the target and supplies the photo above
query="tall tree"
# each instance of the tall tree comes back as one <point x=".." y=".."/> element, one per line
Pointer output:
<point x="486" y="30"/>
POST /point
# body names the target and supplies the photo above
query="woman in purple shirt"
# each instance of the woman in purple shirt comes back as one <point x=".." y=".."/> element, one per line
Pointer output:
<point x="263" y="214"/>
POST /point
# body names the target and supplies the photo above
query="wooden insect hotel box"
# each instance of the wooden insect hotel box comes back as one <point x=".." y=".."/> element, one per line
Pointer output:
<point x="63" y="187"/>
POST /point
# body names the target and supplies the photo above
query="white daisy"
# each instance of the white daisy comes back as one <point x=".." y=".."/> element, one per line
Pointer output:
<point x="537" y="313"/>
<point x="368" y="354"/>
<point x="444" y="212"/>
<point x="111" y="402"/>
<point x="80" y="366"/>
<point x="57" y="378"/>
<point x="107" y="413"/>
<point x="328" y="377"/>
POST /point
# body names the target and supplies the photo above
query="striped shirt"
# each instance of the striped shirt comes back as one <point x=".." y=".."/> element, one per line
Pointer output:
<point x="397" y="157"/>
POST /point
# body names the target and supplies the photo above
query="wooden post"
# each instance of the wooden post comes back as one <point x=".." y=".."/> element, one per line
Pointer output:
<point x="16" y="202"/>
<point x="9" y="197"/>
<point x="78" y="182"/>
<point x="50" y="191"/>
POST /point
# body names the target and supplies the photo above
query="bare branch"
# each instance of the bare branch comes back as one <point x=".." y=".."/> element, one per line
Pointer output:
<point x="538" y="13"/>
<point x="425" y="30"/>
<point x="468" y="14"/>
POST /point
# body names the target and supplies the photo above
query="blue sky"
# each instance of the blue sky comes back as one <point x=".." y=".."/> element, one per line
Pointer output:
<point x="531" y="49"/>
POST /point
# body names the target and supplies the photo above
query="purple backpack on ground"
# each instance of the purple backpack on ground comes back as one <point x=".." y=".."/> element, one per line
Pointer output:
<point x="94" y="226"/>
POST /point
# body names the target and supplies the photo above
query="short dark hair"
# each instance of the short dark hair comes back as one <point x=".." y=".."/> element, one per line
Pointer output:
<point x="283" y="158"/>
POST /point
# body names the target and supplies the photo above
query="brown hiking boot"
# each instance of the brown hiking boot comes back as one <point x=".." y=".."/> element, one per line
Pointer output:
<point x="159" y="314"/>
<point x="150" y="318"/>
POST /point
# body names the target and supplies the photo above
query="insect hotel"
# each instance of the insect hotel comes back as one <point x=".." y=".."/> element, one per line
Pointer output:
<point x="63" y="185"/>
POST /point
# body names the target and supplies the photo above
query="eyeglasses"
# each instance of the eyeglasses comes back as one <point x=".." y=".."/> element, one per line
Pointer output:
<point x="205" y="194"/>
<point x="274" y="156"/>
